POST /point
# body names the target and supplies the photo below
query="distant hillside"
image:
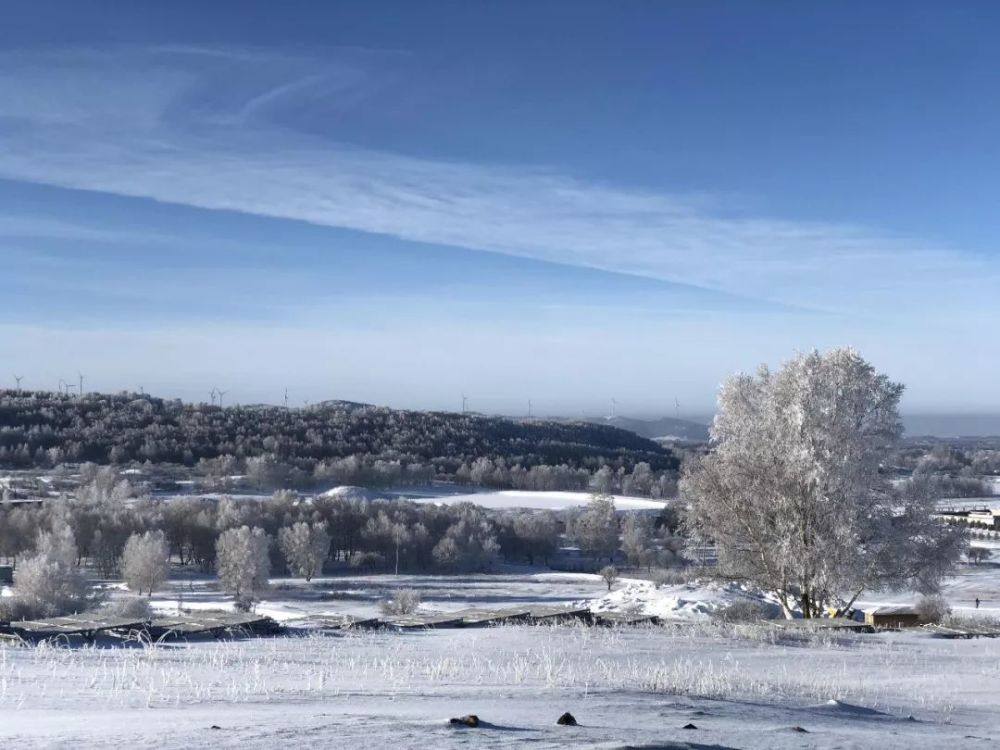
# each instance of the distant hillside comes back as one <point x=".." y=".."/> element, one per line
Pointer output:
<point x="44" y="429"/>
<point x="665" y="427"/>
<point x="951" y="425"/>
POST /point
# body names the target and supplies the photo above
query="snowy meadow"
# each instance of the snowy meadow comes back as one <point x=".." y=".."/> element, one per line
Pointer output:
<point x="740" y="685"/>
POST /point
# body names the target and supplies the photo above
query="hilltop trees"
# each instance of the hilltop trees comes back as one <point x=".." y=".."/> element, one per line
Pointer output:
<point x="793" y="496"/>
<point x="332" y="442"/>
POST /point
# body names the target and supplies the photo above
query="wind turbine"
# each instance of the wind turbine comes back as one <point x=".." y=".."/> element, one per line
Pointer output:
<point x="465" y="401"/>
<point x="677" y="408"/>
<point x="614" y="408"/>
<point x="212" y="394"/>
<point x="18" y="379"/>
<point x="221" y="394"/>
<point x="80" y="375"/>
<point x="529" y="408"/>
<point x="286" y="398"/>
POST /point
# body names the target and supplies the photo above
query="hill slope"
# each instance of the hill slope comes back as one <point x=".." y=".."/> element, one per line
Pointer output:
<point x="43" y="428"/>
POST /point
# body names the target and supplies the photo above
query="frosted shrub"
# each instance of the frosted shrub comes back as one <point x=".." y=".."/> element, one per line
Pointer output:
<point x="129" y="607"/>
<point x="48" y="584"/>
<point x="403" y="602"/>
<point x="933" y="608"/>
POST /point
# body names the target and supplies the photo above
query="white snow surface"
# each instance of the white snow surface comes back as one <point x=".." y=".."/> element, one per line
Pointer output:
<point x="627" y="687"/>
<point x="540" y="500"/>
<point x="694" y="601"/>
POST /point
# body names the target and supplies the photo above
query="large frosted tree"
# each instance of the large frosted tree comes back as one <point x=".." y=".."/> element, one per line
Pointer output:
<point x="305" y="546"/>
<point x="793" y="494"/>
<point x="145" y="562"/>
<point x="243" y="563"/>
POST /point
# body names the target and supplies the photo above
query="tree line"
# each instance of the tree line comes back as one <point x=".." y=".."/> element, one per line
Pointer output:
<point x="110" y="529"/>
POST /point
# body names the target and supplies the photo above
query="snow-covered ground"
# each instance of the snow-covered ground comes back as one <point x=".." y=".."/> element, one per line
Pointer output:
<point x="360" y="596"/>
<point x="539" y="500"/>
<point x="694" y="601"/>
<point x="627" y="687"/>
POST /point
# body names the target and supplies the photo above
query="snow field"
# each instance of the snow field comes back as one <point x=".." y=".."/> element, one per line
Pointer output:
<point x="733" y="673"/>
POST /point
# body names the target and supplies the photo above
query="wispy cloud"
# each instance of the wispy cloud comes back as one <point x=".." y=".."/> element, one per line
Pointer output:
<point x="219" y="129"/>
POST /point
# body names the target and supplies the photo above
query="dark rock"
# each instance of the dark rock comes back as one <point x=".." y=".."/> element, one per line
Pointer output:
<point x="215" y="726"/>
<point x="566" y="720"/>
<point x="689" y="726"/>
<point x="470" y="720"/>
<point x="803" y="730"/>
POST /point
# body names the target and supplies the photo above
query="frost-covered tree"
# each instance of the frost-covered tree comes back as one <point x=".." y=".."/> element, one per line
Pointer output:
<point x="145" y="561"/>
<point x="469" y="543"/>
<point x="609" y="574"/>
<point x="243" y="562"/>
<point x="596" y="528"/>
<point x="47" y="583"/>
<point x="637" y="537"/>
<point x="792" y="493"/>
<point x="305" y="547"/>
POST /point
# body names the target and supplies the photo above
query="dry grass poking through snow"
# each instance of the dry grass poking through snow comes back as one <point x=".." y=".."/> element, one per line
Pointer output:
<point x="752" y="662"/>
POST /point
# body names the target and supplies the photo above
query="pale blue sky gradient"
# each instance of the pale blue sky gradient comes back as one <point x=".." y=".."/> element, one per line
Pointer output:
<point x="398" y="202"/>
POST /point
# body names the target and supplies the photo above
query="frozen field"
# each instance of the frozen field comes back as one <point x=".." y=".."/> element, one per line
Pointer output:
<point x="290" y="598"/>
<point x="539" y="500"/>
<point x="742" y="687"/>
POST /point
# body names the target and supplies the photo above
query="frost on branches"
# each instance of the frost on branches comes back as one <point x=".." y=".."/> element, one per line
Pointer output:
<point x="792" y="493"/>
<point x="243" y="563"/>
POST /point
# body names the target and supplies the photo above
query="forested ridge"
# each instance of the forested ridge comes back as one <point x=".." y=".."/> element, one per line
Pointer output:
<point x="40" y="429"/>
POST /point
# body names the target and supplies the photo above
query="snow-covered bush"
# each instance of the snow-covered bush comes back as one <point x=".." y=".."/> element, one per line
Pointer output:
<point x="48" y="583"/>
<point x="130" y="607"/>
<point x="403" y="602"/>
<point x="933" y="608"/>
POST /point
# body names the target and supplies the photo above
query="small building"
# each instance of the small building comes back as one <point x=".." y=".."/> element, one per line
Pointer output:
<point x="895" y="616"/>
<point x="6" y="575"/>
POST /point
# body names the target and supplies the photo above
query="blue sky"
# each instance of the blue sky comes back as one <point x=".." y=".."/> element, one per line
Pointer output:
<point x="399" y="202"/>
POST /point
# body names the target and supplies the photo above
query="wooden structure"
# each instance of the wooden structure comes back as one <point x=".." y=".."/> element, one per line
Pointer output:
<point x="895" y="616"/>
<point x="624" y="618"/>
<point x="473" y="618"/>
<point x="560" y="614"/>
<point x="336" y="622"/>
<point x="212" y="623"/>
<point x="823" y="623"/>
<point x="418" y="621"/>
<point x="88" y="626"/>
<point x="963" y="631"/>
